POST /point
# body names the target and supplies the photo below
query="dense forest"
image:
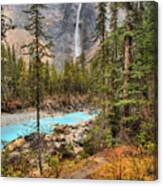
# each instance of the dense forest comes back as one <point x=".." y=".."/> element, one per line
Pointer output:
<point x="119" y="82"/>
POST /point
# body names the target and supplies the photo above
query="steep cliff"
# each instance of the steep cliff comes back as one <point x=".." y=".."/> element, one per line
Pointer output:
<point x="60" y="24"/>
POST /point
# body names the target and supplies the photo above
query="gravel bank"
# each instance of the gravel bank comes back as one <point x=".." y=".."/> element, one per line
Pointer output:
<point x="20" y="117"/>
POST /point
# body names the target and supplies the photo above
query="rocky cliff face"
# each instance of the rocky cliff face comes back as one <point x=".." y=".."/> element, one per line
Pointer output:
<point x="60" y="24"/>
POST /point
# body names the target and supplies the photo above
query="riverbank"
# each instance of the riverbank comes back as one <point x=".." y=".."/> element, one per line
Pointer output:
<point x="14" y="131"/>
<point x="64" y="143"/>
<point x="18" y="111"/>
<point x="61" y="136"/>
<point x="65" y="103"/>
<point x="25" y="115"/>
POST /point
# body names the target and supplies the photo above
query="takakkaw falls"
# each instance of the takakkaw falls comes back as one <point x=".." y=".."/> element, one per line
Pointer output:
<point x="14" y="131"/>
<point x="77" y="33"/>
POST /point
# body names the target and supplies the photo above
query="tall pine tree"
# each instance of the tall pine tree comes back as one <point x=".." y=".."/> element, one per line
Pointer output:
<point x="39" y="47"/>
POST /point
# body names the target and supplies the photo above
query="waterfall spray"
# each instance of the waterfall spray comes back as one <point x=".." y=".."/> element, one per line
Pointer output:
<point x="77" y="33"/>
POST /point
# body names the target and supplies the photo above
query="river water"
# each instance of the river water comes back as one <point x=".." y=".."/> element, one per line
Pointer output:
<point x="13" y="131"/>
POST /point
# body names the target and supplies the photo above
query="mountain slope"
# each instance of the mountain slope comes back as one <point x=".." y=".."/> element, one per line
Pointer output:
<point x="60" y="24"/>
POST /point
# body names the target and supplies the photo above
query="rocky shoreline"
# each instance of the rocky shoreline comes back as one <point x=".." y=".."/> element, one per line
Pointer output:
<point x="65" y="138"/>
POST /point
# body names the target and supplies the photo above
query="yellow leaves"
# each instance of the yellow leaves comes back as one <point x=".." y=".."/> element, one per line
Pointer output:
<point x="127" y="168"/>
<point x="106" y="171"/>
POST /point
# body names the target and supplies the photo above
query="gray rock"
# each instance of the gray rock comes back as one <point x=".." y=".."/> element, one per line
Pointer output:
<point x="57" y="145"/>
<point x="60" y="24"/>
<point x="77" y="149"/>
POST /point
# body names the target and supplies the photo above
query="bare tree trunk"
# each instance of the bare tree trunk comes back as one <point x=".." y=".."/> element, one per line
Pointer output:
<point x="38" y="97"/>
<point x="127" y="62"/>
<point x="104" y="70"/>
<point x="38" y="115"/>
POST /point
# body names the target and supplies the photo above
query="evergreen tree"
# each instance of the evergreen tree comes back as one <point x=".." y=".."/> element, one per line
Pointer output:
<point x="143" y="74"/>
<point x="82" y="61"/>
<point x="14" y="71"/>
<point x="22" y="86"/>
<point x="101" y="33"/>
<point x="6" y="24"/>
<point x="114" y="28"/>
<point x="39" y="50"/>
<point x="124" y="101"/>
<point x="4" y="76"/>
<point x="127" y="52"/>
<point x="80" y="75"/>
<point x="46" y="78"/>
<point x="31" y="77"/>
<point x="54" y="81"/>
<point x="130" y="58"/>
<point x="68" y="77"/>
<point x="101" y="22"/>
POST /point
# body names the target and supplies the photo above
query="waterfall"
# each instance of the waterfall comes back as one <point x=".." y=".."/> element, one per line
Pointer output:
<point x="77" y="33"/>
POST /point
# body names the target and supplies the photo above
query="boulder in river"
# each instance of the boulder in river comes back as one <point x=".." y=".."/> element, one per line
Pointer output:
<point x="48" y="138"/>
<point x="15" y="144"/>
<point x="60" y="129"/>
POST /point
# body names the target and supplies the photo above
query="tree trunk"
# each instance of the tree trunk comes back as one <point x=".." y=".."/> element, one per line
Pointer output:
<point x="127" y="61"/>
<point x="104" y="68"/>
<point x="38" y="115"/>
<point x="38" y="97"/>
